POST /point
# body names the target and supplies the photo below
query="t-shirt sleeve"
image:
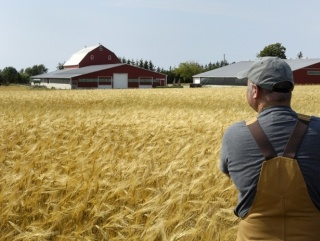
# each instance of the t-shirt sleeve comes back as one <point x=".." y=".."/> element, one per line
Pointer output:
<point x="224" y="155"/>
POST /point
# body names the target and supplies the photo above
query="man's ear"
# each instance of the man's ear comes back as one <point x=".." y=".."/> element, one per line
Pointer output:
<point x="255" y="91"/>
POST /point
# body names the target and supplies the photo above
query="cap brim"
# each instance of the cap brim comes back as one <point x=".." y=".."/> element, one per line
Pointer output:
<point x="243" y="74"/>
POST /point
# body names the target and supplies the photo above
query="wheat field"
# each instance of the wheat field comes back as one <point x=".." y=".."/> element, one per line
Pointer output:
<point x="135" y="164"/>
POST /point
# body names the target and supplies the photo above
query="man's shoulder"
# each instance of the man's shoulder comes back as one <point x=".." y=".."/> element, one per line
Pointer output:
<point x="236" y="127"/>
<point x="315" y="119"/>
<point x="315" y="122"/>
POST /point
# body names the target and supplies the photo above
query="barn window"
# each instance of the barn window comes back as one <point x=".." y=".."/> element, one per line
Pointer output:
<point x="313" y="72"/>
<point x="109" y="57"/>
<point x="105" y="80"/>
<point x="92" y="57"/>
<point x="100" y="48"/>
<point x="145" y="80"/>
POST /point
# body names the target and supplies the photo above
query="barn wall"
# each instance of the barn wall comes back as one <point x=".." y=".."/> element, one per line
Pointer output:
<point x="137" y="77"/>
<point x="308" y="75"/>
<point x="100" y="55"/>
<point x="222" y="81"/>
<point x="196" y="80"/>
<point x="135" y="72"/>
<point x="132" y="83"/>
<point x="54" y="85"/>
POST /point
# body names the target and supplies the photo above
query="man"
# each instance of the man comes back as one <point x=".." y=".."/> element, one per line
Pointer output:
<point x="278" y="184"/>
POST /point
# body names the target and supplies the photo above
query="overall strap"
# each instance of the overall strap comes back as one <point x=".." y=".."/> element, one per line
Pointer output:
<point x="294" y="141"/>
<point x="296" y="136"/>
<point x="261" y="139"/>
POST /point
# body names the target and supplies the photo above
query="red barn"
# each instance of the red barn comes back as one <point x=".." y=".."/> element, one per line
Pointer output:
<point x="305" y="71"/>
<point x="98" y="67"/>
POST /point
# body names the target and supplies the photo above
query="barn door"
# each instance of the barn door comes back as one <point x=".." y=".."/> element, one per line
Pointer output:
<point x="120" y="81"/>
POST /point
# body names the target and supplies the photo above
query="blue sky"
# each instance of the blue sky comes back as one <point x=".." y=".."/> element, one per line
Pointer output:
<point x="167" y="32"/>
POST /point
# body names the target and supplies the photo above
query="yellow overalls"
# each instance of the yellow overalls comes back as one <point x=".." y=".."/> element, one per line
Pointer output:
<point x="282" y="208"/>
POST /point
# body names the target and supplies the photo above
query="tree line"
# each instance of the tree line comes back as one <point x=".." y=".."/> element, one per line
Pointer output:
<point x="9" y="75"/>
<point x="182" y="74"/>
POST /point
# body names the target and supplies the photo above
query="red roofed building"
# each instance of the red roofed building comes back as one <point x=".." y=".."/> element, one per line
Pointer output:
<point x="98" y="67"/>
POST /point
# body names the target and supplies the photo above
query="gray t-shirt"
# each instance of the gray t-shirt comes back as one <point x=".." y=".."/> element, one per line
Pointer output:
<point x="242" y="159"/>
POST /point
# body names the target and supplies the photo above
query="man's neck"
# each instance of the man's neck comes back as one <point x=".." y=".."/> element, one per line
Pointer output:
<point x="261" y="107"/>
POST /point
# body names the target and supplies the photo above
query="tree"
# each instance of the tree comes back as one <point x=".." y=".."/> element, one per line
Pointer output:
<point x="141" y="63"/>
<point x="1" y="79"/>
<point x="36" y="70"/>
<point x="170" y="74"/>
<point x="60" y="66"/>
<point x="275" y="50"/>
<point x="24" y="78"/>
<point x="145" y="64"/>
<point x="10" y="75"/>
<point x="300" y="55"/>
<point x="187" y="69"/>
<point x="151" y="66"/>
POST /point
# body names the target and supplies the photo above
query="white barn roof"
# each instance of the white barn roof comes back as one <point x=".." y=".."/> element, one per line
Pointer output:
<point x="78" y="56"/>
<point x="69" y="73"/>
<point x="233" y="69"/>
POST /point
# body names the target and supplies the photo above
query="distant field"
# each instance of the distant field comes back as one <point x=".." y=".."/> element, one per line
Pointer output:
<point x="120" y="164"/>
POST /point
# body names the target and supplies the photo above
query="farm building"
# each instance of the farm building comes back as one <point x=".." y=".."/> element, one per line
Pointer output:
<point x="98" y="67"/>
<point x="305" y="71"/>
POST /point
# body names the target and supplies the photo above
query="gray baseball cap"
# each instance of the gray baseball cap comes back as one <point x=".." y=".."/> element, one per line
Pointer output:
<point x="271" y="73"/>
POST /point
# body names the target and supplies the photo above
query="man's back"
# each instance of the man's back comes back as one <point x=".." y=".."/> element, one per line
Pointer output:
<point x="242" y="159"/>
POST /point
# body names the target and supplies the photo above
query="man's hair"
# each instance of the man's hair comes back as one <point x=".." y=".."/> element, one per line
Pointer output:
<point x="281" y="95"/>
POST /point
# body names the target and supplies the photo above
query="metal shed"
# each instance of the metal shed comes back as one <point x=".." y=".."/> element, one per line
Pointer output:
<point x="305" y="71"/>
